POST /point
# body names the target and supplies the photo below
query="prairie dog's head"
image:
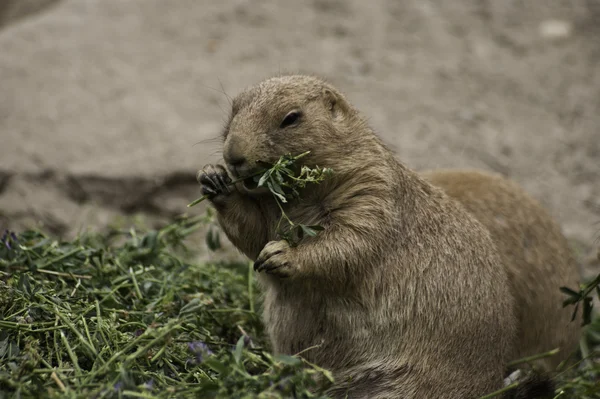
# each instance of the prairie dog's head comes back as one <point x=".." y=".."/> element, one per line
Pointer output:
<point x="287" y="115"/>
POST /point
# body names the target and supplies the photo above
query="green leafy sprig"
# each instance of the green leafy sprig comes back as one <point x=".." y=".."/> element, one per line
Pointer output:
<point x="285" y="179"/>
<point x="582" y="296"/>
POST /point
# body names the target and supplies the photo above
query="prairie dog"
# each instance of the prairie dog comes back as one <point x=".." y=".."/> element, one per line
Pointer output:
<point x="404" y="292"/>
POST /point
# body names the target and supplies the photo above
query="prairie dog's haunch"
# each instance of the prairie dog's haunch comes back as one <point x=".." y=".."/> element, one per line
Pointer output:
<point x="406" y="290"/>
<point x="534" y="253"/>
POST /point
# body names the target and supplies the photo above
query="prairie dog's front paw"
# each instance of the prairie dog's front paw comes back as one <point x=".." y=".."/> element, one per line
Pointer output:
<point x="275" y="259"/>
<point x="214" y="180"/>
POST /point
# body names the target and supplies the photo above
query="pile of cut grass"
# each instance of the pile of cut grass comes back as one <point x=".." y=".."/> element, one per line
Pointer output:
<point x="128" y="315"/>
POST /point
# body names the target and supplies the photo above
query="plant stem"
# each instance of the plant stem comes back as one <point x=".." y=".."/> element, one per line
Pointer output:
<point x="199" y="200"/>
<point x="250" y="287"/>
<point x="534" y="357"/>
<point x="59" y="258"/>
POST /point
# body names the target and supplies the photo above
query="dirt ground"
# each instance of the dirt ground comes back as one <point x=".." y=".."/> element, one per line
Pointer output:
<point x="108" y="107"/>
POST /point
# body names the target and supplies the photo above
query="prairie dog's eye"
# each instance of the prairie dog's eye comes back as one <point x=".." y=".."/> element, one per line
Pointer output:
<point x="290" y="119"/>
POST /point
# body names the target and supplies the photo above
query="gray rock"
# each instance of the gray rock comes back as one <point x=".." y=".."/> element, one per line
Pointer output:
<point x="15" y="10"/>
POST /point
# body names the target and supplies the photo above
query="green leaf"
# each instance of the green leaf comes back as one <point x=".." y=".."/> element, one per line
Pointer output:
<point x="317" y="227"/>
<point x="150" y="240"/>
<point x="191" y="307"/>
<point x="575" y="312"/>
<point x="287" y="171"/>
<point x="275" y="186"/>
<point x="263" y="179"/>
<point x="569" y="291"/>
<point x="570" y="301"/>
<point x="24" y="284"/>
<point x="308" y="231"/>
<point x="298" y="232"/>
<point x="278" y="177"/>
<point x="286" y="359"/>
<point x="278" y="195"/>
<point x="217" y="366"/>
<point x="239" y="347"/>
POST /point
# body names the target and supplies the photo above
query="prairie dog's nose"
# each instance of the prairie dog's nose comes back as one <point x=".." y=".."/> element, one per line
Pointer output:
<point x="236" y="160"/>
<point x="233" y="154"/>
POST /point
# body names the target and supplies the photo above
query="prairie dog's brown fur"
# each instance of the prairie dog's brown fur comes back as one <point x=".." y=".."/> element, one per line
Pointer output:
<point x="534" y="253"/>
<point x="404" y="290"/>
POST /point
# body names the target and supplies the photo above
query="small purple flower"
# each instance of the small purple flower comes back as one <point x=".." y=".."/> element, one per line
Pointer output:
<point x="138" y="332"/>
<point x="118" y="386"/>
<point x="8" y="238"/>
<point x="199" y="349"/>
<point x="149" y="384"/>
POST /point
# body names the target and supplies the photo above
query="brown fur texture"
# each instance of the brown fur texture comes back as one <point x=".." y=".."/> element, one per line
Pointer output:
<point x="403" y="292"/>
<point x="534" y="252"/>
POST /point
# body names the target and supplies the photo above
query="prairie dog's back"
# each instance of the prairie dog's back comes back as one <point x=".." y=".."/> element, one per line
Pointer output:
<point x="534" y="252"/>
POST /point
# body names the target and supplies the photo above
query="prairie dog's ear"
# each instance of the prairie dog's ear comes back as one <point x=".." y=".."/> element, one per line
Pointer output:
<point x="335" y="103"/>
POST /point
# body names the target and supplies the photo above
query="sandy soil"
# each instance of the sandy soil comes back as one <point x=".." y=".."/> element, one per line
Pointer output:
<point x="102" y="101"/>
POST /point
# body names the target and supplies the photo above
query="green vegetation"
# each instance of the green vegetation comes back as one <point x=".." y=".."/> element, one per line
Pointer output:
<point x="126" y="314"/>
<point x="583" y="380"/>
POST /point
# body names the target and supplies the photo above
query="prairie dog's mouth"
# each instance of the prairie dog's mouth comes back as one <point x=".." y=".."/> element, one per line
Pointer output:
<point x="251" y="183"/>
<point x="247" y="176"/>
